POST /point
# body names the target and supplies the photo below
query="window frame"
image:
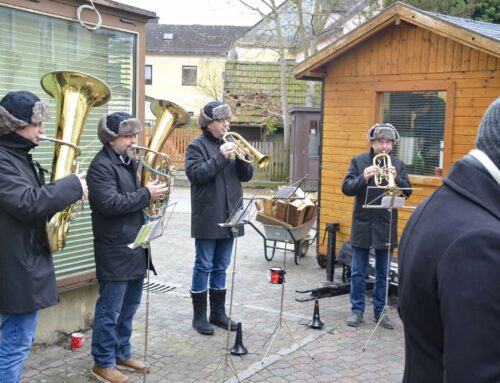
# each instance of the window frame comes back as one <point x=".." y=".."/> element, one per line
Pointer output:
<point x="184" y="82"/>
<point x="420" y="86"/>
<point x="146" y="80"/>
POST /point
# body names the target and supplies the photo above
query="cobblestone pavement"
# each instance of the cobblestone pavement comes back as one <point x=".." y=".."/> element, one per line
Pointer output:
<point x="295" y="353"/>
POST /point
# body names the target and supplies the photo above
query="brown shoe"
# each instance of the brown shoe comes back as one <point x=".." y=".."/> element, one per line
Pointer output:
<point x="133" y="364"/>
<point x="108" y="375"/>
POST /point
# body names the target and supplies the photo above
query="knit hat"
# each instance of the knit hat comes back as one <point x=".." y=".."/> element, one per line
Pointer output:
<point x="117" y="124"/>
<point x="214" y="111"/>
<point x="383" y="131"/>
<point x="19" y="109"/>
<point x="488" y="135"/>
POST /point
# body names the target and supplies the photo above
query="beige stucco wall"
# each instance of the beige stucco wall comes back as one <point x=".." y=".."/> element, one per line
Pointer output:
<point x="167" y="81"/>
<point x="74" y="312"/>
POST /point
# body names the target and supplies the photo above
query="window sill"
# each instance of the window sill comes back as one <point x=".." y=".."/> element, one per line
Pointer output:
<point x="425" y="180"/>
<point x="75" y="281"/>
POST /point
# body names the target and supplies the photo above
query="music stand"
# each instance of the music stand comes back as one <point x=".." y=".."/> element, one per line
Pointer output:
<point x="147" y="233"/>
<point x="237" y="219"/>
<point x="392" y="198"/>
<point x="284" y="193"/>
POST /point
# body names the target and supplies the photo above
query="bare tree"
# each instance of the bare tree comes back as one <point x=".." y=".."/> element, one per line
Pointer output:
<point x="210" y="82"/>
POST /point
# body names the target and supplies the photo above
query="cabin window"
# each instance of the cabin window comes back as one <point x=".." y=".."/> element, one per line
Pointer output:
<point x="419" y="118"/>
<point x="189" y="75"/>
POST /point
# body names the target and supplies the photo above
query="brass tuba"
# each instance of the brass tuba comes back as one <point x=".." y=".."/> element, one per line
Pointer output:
<point x="260" y="159"/>
<point x="383" y="172"/>
<point x="75" y="94"/>
<point x="155" y="164"/>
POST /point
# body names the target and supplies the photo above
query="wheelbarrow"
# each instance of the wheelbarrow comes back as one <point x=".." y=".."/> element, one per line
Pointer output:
<point x="277" y="234"/>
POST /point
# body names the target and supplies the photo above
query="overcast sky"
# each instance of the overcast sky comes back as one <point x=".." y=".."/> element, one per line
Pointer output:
<point x="211" y="12"/>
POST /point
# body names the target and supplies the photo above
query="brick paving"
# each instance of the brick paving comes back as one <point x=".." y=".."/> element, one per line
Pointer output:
<point x="298" y="354"/>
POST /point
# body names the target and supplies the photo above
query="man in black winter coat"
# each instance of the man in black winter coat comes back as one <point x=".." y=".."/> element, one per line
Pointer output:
<point x="449" y="262"/>
<point x="27" y="279"/>
<point x="117" y="198"/>
<point x="370" y="227"/>
<point x="215" y="194"/>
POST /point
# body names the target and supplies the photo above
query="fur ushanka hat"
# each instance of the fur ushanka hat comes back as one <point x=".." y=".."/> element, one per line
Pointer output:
<point x="214" y="111"/>
<point x="117" y="124"/>
<point x="19" y="109"/>
<point x="488" y="135"/>
<point x="383" y="131"/>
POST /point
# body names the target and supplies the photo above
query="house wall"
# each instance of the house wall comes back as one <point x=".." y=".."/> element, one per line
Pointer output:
<point x="167" y="81"/>
<point x="406" y="58"/>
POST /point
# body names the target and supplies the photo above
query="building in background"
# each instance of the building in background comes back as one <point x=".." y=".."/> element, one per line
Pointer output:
<point x="431" y="75"/>
<point x="40" y="37"/>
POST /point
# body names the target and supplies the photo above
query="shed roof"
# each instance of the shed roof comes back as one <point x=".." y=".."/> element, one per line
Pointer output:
<point x="254" y="90"/>
<point x="476" y="34"/>
<point x="191" y="39"/>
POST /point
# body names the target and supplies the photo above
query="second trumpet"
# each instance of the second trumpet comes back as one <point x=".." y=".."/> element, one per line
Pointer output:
<point x="261" y="160"/>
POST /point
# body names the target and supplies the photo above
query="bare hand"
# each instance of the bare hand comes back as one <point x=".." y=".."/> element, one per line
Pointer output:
<point x="156" y="189"/>
<point x="228" y="149"/>
<point x="85" y="190"/>
<point x="369" y="172"/>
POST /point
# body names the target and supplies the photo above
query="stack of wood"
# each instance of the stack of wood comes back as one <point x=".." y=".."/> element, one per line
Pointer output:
<point x="293" y="212"/>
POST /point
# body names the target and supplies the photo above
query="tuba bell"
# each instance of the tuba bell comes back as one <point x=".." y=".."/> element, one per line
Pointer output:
<point x="155" y="164"/>
<point x="75" y="94"/>
<point x="261" y="160"/>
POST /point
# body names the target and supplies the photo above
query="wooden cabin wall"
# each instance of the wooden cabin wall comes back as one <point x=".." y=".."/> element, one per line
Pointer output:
<point x="407" y="56"/>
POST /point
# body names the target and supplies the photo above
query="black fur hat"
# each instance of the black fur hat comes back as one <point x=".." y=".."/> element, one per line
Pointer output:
<point x="214" y="110"/>
<point x="21" y="108"/>
<point x="382" y="131"/>
<point x="117" y="124"/>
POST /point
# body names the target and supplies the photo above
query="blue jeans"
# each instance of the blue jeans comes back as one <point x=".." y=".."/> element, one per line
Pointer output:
<point x="212" y="259"/>
<point x="17" y="333"/>
<point x="114" y="311"/>
<point x="358" y="280"/>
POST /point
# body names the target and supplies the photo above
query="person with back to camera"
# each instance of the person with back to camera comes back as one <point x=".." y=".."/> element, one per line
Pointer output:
<point x="216" y="193"/>
<point x="449" y="262"/>
<point x="370" y="227"/>
<point x="117" y="199"/>
<point x="28" y="281"/>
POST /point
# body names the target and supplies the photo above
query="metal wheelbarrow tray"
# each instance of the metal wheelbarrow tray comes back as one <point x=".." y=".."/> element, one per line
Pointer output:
<point x="276" y="231"/>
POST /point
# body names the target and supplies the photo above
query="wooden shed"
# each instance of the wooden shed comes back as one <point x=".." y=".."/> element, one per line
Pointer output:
<point x="407" y="67"/>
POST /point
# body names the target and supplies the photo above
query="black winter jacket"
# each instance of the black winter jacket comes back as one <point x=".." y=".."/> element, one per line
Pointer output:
<point x="215" y="186"/>
<point x="27" y="279"/>
<point x="449" y="288"/>
<point x="370" y="227"/>
<point x="116" y="198"/>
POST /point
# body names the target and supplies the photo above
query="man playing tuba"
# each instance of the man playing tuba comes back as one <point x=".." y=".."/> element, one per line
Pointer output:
<point x="116" y="199"/>
<point x="26" y="267"/>
<point x="215" y="193"/>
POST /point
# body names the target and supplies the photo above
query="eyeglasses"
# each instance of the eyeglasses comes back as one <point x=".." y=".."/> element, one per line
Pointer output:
<point x="223" y="121"/>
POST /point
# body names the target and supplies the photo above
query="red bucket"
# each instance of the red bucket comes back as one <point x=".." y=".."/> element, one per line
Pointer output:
<point x="276" y="275"/>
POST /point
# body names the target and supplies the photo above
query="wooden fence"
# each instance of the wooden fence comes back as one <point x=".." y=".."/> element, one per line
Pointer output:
<point x="178" y="142"/>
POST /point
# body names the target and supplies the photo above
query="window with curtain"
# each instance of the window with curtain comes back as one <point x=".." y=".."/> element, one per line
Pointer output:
<point x="32" y="45"/>
<point x="149" y="75"/>
<point x="189" y="75"/>
<point x="419" y="118"/>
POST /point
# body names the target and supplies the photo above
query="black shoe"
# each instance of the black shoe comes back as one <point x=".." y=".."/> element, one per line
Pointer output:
<point x="200" y="322"/>
<point x="218" y="315"/>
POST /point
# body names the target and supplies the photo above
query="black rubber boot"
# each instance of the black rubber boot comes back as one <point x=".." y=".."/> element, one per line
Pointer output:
<point x="200" y="322"/>
<point x="218" y="315"/>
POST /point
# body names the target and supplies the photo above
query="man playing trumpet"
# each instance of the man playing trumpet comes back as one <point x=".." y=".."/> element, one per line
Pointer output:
<point x="216" y="192"/>
<point x="370" y="227"/>
<point x="117" y="198"/>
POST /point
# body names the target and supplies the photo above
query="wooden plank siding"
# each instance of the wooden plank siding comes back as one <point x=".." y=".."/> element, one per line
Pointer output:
<point x="400" y="57"/>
